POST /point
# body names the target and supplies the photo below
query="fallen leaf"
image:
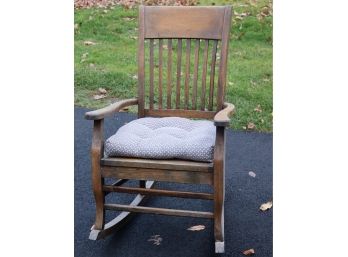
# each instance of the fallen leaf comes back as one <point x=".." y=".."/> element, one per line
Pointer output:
<point x="251" y="126"/>
<point x="252" y="174"/>
<point x="89" y="43"/>
<point x="102" y="90"/>
<point x="258" y="108"/>
<point x="266" y="206"/>
<point x="97" y="97"/>
<point x="249" y="252"/>
<point x="156" y="239"/>
<point x="84" y="57"/>
<point x="128" y="19"/>
<point x="196" y="228"/>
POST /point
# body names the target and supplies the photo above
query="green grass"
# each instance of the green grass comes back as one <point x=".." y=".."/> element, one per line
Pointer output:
<point x="112" y="62"/>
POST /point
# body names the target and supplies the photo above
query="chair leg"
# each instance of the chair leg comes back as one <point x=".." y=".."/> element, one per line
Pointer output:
<point x="219" y="217"/>
<point x="219" y="190"/>
<point x="97" y="180"/>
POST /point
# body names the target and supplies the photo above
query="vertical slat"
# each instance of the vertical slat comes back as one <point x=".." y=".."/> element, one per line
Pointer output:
<point x="160" y="54"/>
<point x="141" y="64"/>
<point x="223" y="58"/>
<point x="169" y="75"/>
<point x="151" y="75"/>
<point x="187" y="75"/>
<point x="212" y="75"/>
<point x="204" y="74"/>
<point x="178" y="74"/>
<point x="195" y="76"/>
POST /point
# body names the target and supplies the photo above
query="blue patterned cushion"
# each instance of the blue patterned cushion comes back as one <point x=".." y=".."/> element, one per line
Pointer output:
<point x="164" y="138"/>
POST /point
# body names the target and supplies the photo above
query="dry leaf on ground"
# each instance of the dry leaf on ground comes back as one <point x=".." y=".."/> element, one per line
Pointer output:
<point x="252" y="174"/>
<point x="89" y="43"/>
<point x="251" y="126"/>
<point x="84" y="57"/>
<point x="102" y="90"/>
<point x="128" y="19"/>
<point x="249" y="252"/>
<point x="258" y="108"/>
<point x="156" y="239"/>
<point x="97" y="97"/>
<point x="266" y="206"/>
<point x="196" y="228"/>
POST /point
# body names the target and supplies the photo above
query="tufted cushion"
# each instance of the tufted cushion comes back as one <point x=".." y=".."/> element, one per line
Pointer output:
<point x="163" y="138"/>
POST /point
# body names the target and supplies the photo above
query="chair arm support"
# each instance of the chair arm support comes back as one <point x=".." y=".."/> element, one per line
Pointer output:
<point x="109" y="110"/>
<point x="222" y="118"/>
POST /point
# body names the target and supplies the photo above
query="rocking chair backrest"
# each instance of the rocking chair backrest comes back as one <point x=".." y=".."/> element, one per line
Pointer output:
<point x="171" y="84"/>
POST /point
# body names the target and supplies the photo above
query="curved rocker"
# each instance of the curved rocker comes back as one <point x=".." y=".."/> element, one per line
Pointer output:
<point x="115" y="224"/>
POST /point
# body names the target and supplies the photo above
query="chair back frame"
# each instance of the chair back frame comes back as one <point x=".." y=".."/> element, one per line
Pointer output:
<point x="186" y="25"/>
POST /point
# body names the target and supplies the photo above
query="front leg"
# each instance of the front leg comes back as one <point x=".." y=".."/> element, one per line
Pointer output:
<point x="219" y="189"/>
<point x="97" y="180"/>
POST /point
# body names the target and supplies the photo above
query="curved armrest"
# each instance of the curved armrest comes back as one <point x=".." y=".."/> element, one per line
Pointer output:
<point x="222" y="118"/>
<point x="111" y="109"/>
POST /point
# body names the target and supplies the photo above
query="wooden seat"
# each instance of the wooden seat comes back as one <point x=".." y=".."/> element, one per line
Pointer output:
<point x="170" y="84"/>
<point x="157" y="164"/>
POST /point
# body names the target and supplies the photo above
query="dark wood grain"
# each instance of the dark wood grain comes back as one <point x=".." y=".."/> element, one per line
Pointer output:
<point x="187" y="72"/>
<point x="151" y="74"/>
<point x="157" y="164"/>
<point x="222" y="118"/>
<point x="169" y="75"/>
<point x="195" y="75"/>
<point x="158" y="192"/>
<point x="160" y="211"/>
<point x="180" y="113"/>
<point x="223" y="58"/>
<point x="189" y="22"/>
<point x="204" y="73"/>
<point x="110" y="110"/>
<point x="179" y="176"/>
<point x="212" y="75"/>
<point x="160" y="73"/>
<point x="141" y="63"/>
<point x="97" y="180"/>
<point x="178" y="74"/>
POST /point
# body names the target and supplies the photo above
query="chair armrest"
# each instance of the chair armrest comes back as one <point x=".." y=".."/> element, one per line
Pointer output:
<point x="109" y="110"/>
<point x="222" y="118"/>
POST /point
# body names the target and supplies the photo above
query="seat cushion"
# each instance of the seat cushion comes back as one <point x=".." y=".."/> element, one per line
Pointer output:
<point x="164" y="138"/>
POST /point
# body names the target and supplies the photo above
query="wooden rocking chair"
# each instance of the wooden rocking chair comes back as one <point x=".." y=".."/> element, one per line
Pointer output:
<point x="208" y="28"/>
